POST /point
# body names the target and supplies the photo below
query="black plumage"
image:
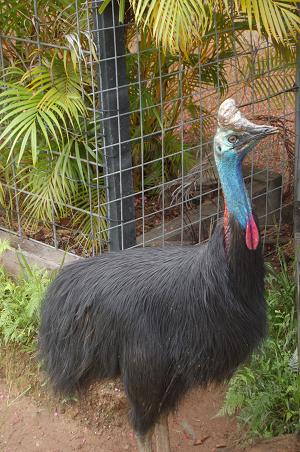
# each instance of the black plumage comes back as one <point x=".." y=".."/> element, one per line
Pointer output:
<point x="165" y="320"/>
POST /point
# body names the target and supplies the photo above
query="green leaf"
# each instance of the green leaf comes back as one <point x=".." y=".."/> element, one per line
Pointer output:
<point x="104" y="4"/>
<point x="34" y="150"/>
<point x="78" y="160"/>
<point x="121" y="10"/>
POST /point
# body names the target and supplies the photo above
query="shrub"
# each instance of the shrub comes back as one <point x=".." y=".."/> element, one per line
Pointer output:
<point x="19" y="306"/>
<point x="266" y="392"/>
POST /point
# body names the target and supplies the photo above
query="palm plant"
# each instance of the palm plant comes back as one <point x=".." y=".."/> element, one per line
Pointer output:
<point x="39" y="104"/>
<point x="47" y="132"/>
<point x="56" y="23"/>
<point x="176" y="24"/>
<point x="45" y="137"/>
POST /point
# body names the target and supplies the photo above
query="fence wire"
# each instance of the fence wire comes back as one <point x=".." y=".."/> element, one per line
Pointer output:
<point x="129" y="160"/>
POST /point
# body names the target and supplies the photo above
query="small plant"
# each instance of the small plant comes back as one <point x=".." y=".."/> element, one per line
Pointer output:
<point x="19" y="304"/>
<point x="266" y="393"/>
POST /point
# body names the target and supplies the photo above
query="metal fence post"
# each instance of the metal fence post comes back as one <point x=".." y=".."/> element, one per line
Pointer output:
<point x="297" y="190"/>
<point x="114" y="105"/>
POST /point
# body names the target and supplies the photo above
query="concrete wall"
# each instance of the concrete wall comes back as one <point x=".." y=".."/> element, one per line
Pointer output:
<point x="38" y="254"/>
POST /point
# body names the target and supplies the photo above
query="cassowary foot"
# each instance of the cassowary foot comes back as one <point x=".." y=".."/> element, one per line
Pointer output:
<point x="145" y="442"/>
<point x="162" y="435"/>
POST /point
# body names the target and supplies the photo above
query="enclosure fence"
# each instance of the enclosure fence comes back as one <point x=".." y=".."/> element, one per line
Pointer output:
<point x="107" y="139"/>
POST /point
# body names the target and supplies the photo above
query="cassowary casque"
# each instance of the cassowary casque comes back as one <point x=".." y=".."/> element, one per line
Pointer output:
<point x="165" y="320"/>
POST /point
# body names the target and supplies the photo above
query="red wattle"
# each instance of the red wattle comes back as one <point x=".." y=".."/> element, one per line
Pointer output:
<point x="252" y="234"/>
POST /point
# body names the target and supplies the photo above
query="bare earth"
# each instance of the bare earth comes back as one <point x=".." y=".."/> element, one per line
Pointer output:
<point x="98" y="422"/>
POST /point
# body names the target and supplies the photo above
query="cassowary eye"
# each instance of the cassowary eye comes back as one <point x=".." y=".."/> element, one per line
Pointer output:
<point x="233" y="139"/>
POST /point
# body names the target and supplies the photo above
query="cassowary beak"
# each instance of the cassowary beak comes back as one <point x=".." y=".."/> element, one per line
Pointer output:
<point x="258" y="132"/>
<point x="252" y="135"/>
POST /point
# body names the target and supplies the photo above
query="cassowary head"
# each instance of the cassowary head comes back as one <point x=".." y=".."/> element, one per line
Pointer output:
<point x="234" y="138"/>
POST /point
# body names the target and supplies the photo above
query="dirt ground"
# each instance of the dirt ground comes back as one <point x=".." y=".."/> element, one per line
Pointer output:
<point x="28" y="424"/>
<point x="32" y="421"/>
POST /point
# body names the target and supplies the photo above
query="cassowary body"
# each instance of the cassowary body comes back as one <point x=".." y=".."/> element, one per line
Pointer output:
<point x="165" y="320"/>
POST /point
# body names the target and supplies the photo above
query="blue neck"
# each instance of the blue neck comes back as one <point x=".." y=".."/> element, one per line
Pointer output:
<point x="235" y="193"/>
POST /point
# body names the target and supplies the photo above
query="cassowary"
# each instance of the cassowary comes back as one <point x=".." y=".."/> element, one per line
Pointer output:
<point x="165" y="320"/>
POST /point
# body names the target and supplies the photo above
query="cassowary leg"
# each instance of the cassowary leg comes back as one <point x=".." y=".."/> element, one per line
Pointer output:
<point x="162" y="434"/>
<point x="145" y="442"/>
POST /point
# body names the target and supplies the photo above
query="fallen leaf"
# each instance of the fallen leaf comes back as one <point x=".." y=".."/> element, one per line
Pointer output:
<point x="198" y="442"/>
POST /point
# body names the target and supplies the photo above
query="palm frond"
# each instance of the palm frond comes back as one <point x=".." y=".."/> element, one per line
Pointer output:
<point x="53" y="183"/>
<point x="171" y="21"/>
<point x="177" y="24"/>
<point x="90" y="219"/>
<point x="50" y="185"/>
<point x="269" y="73"/>
<point x="40" y="105"/>
<point x="278" y="19"/>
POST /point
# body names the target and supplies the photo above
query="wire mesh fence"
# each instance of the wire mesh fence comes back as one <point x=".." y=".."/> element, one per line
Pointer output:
<point x="107" y="140"/>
